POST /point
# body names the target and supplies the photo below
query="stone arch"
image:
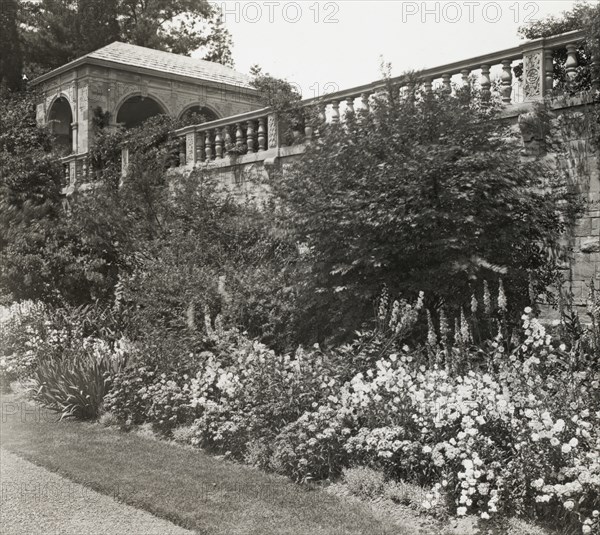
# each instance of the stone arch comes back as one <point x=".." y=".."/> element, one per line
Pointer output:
<point x="135" y="108"/>
<point x="208" y="112"/>
<point x="60" y="119"/>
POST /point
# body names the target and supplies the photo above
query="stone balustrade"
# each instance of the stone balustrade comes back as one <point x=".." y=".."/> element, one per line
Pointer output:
<point x="226" y="139"/>
<point x="258" y="133"/>
<point x="76" y="170"/>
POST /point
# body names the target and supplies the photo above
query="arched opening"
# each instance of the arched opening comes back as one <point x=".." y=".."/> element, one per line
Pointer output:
<point x="135" y="110"/>
<point x="60" y="119"/>
<point x="198" y="115"/>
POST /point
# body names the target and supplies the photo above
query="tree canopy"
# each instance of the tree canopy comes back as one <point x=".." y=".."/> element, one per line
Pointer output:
<point x="55" y="32"/>
<point x="11" y="59"/>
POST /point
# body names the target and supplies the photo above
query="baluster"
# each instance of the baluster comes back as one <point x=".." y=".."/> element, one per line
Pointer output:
<point x="350" y="105"/>
<point x="428" y="84"/>
<point x="465" y="77"/>
<point x="323" y="113"/>
<point x="251" y="136"/>
<point x="308" y="132"/>
<point x="239" y="136"/>
<point x="485" y="83"/>
<point x="182" y="152"/>
<point x="201" y="156"/>
<point x="218" y="143"/>
<point x="571" y="63"/>
<point x="548" y="71"/>
<point x="208" y="147"/>
<point x="228" y="140"/>
<point x="66" y="175"/>
<point x="364" y="99"/>
<point x="446" y="83"/>
<point x="262" y="134"/>
<point x="335" y="116"/>
<point x="84" y="169"/>
<point x="506" y="81"/>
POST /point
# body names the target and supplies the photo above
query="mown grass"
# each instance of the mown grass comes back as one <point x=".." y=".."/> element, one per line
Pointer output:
<point x="186" y="486"/>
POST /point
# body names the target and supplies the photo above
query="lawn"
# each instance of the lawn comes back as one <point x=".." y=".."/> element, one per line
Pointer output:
<point x="186" y="486"/>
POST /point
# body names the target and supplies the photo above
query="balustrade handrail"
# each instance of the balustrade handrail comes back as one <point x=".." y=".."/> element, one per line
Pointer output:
<point x="491" y="58"/>
<point x="473" y="63"/>
<point x="225" y="121"/>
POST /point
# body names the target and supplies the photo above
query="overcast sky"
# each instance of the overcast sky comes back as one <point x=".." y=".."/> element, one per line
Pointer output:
<point x="340" y="42"/>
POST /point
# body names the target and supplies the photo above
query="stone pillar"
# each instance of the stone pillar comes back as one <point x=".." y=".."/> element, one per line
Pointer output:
<point x="74" y="137"/>
<point x="273" y="131"/>
<point x="190" y="148"/>
<point x="534" y="73"/>
<point x="72" y="172"/>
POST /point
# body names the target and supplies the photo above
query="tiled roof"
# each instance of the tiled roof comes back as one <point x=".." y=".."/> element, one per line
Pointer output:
<point x="166" y="62"/>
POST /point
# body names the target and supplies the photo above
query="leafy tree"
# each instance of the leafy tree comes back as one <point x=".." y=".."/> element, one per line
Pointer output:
<point x="428" y="192"/>
<point x="50" y="253"/>
<point x="98" y="25"/>
<point x="58" y="31"/>
<point x="219" y="48"/>
<point x="11" y="60"/>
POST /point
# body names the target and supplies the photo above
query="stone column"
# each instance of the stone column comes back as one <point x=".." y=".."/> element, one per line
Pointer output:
<point x="534" y="73"/>
<point x="190" y="148"/>
<point x="273" y="131"/>
<point x="74" y="137"/>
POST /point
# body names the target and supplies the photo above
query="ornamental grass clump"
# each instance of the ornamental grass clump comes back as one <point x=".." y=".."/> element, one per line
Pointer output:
<point x="75" y="384"/>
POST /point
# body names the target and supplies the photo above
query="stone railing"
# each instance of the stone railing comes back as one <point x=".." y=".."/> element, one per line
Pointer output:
<point x="257" y="135"/>
<point x="76" y="170"/>
<point x="255" y="132"/>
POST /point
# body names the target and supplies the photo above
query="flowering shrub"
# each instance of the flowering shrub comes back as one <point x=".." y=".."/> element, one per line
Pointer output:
<point x="255" y="394"/>
<point x="142" y="395"/>
<point x="508" y="425"/>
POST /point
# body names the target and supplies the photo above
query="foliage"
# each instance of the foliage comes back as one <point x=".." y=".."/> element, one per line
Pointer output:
<point x="428" y="192"/>
<point x="75" y="384"/>
<point x="11" y="61"/>
<point x="206" y="249"/>
<point x="58" y="31"/>
<point x="220" y="46"/>
<point x="502" y="426"/>
<point x="142" y="395"/>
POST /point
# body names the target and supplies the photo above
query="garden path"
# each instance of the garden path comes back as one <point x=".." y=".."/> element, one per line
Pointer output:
<point x="36" y="501"/>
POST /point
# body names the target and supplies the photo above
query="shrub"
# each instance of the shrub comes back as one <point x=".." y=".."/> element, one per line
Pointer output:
<point x="143" y="395"/>
<point x="428" y="192"/>
<point x="254" y="392"/>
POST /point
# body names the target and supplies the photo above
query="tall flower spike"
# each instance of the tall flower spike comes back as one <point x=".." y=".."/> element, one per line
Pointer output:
<point x="444" y="327"/>
<point x="474" y="305"/>
<point x="394" y="315"/>
<point x="457" y="334"/>
<point x="487" y="298"/>
<point x="431" y="335"/>
<point x="419" y="304"/>
<point x="501" y="296"/>
<point x="383" y="304"/>
<point x="465" y="332"/>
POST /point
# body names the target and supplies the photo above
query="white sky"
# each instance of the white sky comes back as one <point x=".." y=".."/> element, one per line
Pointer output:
<point x="340" y="42"/>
